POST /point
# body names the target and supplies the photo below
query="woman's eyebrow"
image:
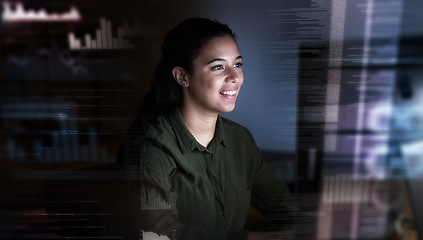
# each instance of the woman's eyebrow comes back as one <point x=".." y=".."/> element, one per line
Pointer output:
<point x="221" y="59"/>
<point x="215" y="60"/>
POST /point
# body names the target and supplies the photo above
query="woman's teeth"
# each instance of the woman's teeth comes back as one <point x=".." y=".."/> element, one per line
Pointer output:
<point x="228" y="93"/>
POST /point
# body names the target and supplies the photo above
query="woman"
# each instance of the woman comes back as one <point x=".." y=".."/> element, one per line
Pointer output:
<point x="199" y="171"/>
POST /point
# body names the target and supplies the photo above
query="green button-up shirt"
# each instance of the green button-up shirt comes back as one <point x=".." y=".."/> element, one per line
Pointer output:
<point x="189" y="191"/>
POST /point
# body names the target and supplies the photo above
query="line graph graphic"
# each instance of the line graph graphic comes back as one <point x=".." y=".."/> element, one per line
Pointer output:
<point x="19" y="14"/>
<point x="104" y="37"/>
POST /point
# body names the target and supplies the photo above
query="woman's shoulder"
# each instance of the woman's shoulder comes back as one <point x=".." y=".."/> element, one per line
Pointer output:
<point x="232" y="124"/>
<point x="157" y="140"/>
<point x="143" y="134"/>
<point x="233" y="128"/>
<point x="157" y="129"/>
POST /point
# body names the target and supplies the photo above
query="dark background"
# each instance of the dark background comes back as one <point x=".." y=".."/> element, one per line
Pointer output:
<point x="64" y="112"/>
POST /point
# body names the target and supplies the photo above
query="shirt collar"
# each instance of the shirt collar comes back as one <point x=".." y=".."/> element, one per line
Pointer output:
<point x="219" y="134"/>
<point x="186" y="140"/>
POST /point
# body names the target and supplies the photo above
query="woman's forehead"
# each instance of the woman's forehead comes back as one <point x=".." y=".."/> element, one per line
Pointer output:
<point x="219" y="47"/>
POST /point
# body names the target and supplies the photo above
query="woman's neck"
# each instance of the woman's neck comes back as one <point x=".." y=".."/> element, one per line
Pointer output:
<point x="202" y="126"/>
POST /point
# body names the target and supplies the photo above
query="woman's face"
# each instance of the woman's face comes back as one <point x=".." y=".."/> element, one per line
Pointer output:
<point x="216" y="77"/>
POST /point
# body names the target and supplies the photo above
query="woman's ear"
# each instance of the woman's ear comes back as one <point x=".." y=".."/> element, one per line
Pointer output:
<point x="180" y="76"/>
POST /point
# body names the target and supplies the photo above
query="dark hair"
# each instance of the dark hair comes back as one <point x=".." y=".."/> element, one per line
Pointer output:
<point x="180" y="47"/>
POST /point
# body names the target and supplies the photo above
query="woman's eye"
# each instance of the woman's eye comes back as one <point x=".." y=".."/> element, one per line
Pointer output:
<point x="238" y="65"/>
<point x="219" y="67"/>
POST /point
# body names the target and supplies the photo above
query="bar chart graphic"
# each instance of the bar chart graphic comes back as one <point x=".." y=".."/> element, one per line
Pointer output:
<point x="104" y="38"/>
<point x="65" y="148"/>
<point x="19" y="14"/>
<point x="152" y="200"/>
<point x="152" y="236"/>
<point x="67" y="143"/>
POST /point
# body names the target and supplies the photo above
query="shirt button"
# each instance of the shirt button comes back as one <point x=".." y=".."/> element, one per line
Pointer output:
<point x="215" y="184"/>
<point x="221" y="212"/>
<point x="210" y="155"/>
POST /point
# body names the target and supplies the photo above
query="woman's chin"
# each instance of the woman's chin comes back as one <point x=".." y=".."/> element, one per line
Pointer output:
<point x="228" y="109"/>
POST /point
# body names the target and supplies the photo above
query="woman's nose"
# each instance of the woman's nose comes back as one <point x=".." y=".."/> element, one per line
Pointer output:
<point x="233" y="75"/>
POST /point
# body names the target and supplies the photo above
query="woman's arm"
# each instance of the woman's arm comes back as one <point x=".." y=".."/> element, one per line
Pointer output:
<point x="271" y="197"/>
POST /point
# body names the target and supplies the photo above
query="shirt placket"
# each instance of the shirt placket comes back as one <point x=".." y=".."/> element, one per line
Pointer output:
<point x="214" y="175"/>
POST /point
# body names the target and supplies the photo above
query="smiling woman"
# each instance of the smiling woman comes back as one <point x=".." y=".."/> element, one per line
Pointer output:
<point x="216" y="77"/>
<point x="211" y="87"/>
<point x="199" y="172"/>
